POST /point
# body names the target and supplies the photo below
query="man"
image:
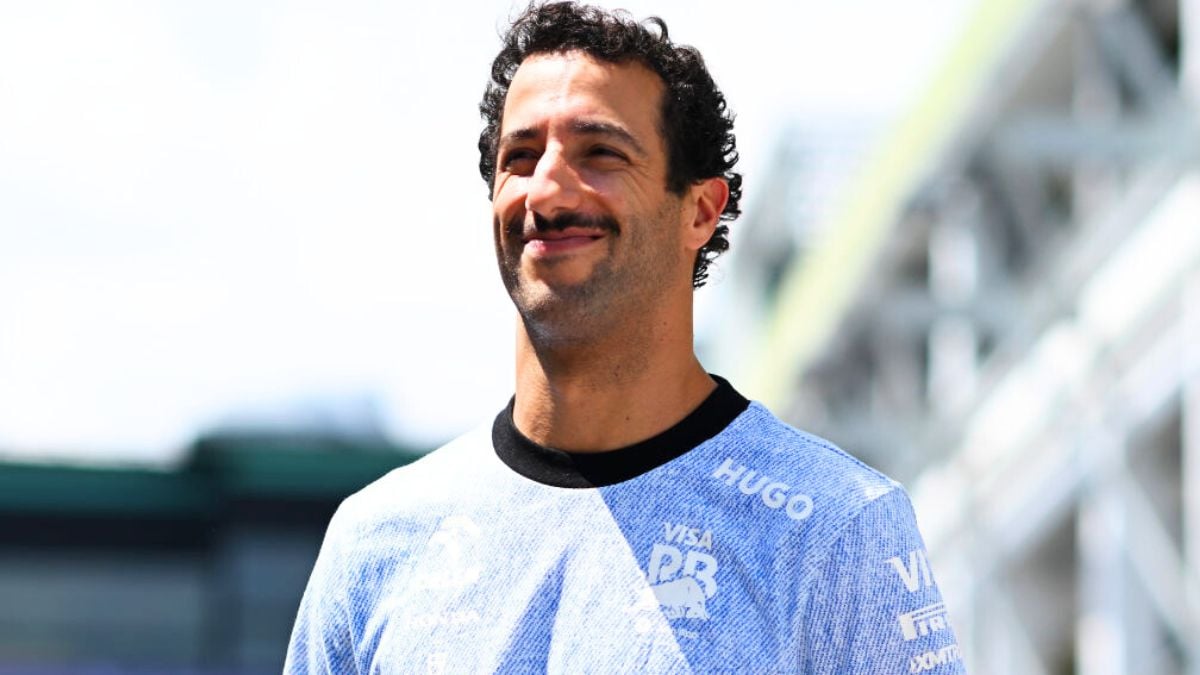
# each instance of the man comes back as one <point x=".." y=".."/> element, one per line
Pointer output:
<point x="627" y="512"/>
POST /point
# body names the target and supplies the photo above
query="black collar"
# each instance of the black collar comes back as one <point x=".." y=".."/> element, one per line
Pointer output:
<point x="584" y="470"/>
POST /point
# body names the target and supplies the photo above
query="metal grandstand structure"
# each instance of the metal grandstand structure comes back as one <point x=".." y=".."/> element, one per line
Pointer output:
<point x="1004" y="314"/>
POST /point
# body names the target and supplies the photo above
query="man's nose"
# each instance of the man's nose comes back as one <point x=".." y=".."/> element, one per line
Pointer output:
<point x="554" y="186"/>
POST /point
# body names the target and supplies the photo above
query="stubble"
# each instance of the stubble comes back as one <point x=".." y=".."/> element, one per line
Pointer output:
<point x="616" y="297"/>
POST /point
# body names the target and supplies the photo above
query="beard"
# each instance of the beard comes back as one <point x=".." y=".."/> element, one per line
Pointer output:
<point x="613" y="290"/>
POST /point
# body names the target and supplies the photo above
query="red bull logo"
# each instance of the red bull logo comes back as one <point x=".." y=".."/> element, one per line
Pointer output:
<point x="683" y="580"/>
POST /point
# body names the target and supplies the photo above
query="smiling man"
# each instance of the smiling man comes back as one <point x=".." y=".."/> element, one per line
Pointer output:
<point x="627" y="512"/>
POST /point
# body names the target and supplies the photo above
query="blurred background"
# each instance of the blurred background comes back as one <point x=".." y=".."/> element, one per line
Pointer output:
<point x="246" y="268"/>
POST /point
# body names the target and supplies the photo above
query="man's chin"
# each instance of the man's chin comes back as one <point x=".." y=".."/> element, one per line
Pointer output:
<point x="559" y="304"/>
<point x="563" y="285"/>
<point x="563" y="273"/>
<point x="545" y="296"/>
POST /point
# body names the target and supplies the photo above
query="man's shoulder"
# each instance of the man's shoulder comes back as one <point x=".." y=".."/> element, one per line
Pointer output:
<point x="422" y="487"/>
<point x="761" y="441"/>
<point x="831" y="495"/>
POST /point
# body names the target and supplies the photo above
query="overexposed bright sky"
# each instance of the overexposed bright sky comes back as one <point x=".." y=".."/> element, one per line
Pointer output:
<point x="210" y="211"/>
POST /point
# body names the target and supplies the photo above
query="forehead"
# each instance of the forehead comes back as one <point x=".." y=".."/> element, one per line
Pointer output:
<point x="571" y="86"/>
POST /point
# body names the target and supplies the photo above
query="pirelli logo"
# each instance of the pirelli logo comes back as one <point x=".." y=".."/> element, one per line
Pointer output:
<point x="924" y="621"/>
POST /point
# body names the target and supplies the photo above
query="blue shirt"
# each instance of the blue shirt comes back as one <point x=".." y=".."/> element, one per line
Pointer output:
<point x="731" y="542"/>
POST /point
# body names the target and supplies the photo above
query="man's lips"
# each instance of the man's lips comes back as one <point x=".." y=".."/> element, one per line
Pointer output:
<point x="560" y="241"/>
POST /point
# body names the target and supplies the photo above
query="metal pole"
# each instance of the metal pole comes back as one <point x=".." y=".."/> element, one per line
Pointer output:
<point x="1100" y="635"/>
<point x="1189" y="50"/>
<point x="1190" y="449"/>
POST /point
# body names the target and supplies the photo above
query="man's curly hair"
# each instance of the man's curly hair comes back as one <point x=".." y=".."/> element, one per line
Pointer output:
<point x="696" y="124"/>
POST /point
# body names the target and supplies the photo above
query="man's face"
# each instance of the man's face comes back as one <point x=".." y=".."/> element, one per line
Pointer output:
<point x="585" y="226"/>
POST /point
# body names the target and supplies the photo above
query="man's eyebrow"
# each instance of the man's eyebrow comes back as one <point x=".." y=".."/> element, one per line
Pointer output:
<point x="598" y="128"/>
<point x="523" y="134"/>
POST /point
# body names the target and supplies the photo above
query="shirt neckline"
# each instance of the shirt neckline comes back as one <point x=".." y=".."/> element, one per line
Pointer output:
<point x="558" y="468"/>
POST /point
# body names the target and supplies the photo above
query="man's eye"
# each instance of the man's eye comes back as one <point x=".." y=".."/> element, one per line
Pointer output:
<point x="605" y="151"/>
<point x="518" y="159"/>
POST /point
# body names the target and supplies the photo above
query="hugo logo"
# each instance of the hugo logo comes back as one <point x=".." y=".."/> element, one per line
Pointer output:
<point x="773" y="493"/>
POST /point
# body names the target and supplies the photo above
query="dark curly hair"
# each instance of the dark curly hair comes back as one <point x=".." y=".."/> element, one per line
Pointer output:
<point x="696" y="124"/>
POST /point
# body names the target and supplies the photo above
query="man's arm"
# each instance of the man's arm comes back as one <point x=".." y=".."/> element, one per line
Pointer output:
<point x="321" y="638"/>
<point x="875" y="606"/>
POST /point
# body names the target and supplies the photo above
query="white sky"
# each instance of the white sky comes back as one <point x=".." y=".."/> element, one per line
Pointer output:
<point x="208" y="207"/>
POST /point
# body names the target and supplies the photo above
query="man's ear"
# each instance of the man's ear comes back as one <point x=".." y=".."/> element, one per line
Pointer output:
<point x="709" y="196"/>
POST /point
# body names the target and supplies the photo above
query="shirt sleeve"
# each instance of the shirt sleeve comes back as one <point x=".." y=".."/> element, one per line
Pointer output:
<point x="321" y="639"/>
<point x="875" y="606"/>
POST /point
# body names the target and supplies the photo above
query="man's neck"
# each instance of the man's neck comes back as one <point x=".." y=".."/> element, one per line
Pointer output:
<point x="609" y="393"/>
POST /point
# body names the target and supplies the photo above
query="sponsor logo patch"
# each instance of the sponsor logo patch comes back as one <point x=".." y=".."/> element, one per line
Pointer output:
<point x="775" y="494"/>
<point x="451" y="561"/>
<point x="913" y="570"/>
<point x="922" y="622"/>
<point x="934" y="659"/>
<point x="682" y="573"/>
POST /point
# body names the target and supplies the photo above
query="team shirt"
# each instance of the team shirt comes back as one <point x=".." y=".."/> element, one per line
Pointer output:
<point x="731" y="542"/>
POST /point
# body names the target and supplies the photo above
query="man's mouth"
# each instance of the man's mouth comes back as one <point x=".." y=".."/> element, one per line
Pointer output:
<point x="565" y="233"/>
<point x="539" y="243"/>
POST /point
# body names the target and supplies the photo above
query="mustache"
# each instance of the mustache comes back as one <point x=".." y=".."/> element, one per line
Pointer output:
<point x="516" y="226"/>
